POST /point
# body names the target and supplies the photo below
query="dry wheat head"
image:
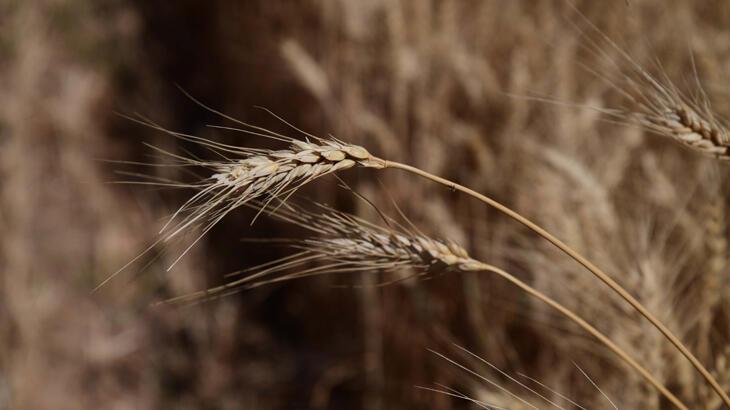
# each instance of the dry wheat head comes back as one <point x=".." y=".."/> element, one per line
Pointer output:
<point x="345" y="243"/>
<point x="257" y="174"/>
<point x="691" y="127"/>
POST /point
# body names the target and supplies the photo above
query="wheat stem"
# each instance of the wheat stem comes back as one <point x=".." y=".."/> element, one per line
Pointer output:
<point x="590" y="329"/>
<point x="597" y="272"/>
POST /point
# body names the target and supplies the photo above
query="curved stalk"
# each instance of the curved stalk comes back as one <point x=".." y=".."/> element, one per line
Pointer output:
<point x="597" y="272"/>
<point x="590" y="329"/>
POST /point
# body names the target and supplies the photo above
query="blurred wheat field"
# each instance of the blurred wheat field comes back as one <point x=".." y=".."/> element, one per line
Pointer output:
<point x="446" y="86"/>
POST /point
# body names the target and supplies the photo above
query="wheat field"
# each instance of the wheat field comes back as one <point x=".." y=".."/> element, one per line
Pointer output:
<point x="339" y="204"/>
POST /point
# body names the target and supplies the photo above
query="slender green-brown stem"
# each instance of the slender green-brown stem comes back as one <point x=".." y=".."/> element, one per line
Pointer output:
<point x="590" y="329"/>
<point x="603" y="277"/>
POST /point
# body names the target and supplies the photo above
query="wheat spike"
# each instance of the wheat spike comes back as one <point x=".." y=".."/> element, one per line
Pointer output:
<point x="346" y="243"/>
<point x="265" y="174"/>
<point x="695" y="129"/>
<point x="655" y="102"/>
<point x="658" y="106"/>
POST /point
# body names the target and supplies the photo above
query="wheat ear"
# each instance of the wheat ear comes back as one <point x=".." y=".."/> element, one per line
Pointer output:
<point x="245" y="174"/>
<point x="657" y="104"/>
<point x="659" y="107"/>
<point x="346" y="243"/>
<point x="685" y="125"/>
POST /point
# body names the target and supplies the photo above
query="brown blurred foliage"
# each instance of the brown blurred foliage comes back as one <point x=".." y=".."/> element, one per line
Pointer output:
<point x="434" y="84"/>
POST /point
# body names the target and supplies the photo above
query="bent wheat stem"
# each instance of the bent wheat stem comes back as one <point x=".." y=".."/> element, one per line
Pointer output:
<point x="597" y="272"/>
<point x="588" y="328"/>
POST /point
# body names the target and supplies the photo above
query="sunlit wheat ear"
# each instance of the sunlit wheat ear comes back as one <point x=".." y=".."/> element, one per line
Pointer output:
<point x="239" y="175"/>
<point x="664" y="111"/>
<point x="345" y="243"/>
<point x="265" y="174"/>
<point x="246" y="174"/>
<point x="654" y="101"/>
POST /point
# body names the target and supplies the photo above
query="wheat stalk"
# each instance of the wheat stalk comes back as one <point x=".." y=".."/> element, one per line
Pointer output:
<point x="346" y="243"/>
<point x="582" y="260"/>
